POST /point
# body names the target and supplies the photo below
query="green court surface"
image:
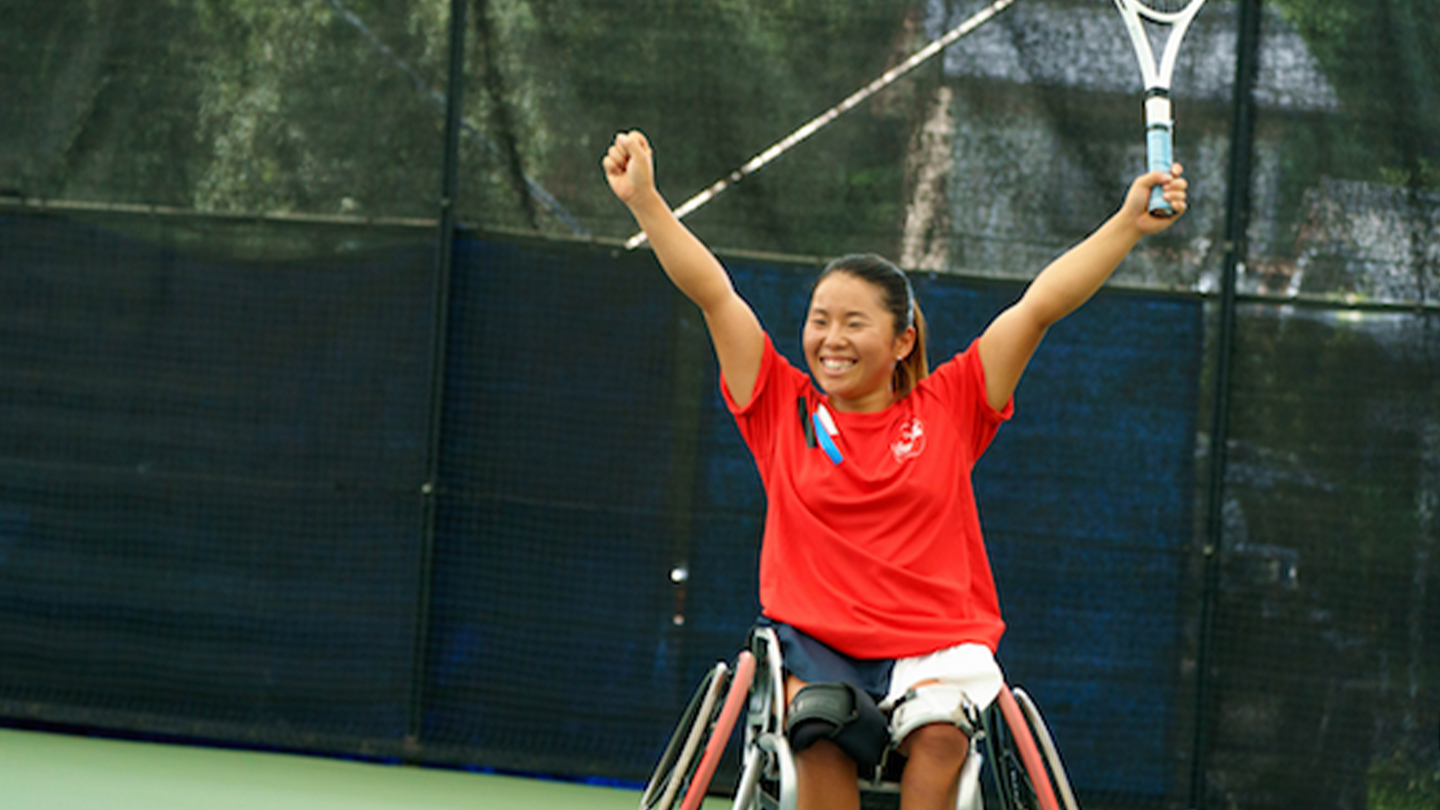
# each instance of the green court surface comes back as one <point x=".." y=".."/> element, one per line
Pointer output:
<point x="43" y="771"/>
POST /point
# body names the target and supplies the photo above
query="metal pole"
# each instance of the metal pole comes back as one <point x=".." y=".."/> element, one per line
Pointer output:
<point x="1237" y="219"/>
<point x="444" y="259"/>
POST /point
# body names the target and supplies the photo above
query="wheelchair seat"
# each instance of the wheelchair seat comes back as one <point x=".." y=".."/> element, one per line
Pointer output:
<point x="1024" y="773"/>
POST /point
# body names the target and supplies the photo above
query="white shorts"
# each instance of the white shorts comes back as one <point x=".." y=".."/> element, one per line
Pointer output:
<point x="971" y="666"/>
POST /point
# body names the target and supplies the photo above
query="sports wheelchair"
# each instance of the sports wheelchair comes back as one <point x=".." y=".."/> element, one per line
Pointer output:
<point x="1025" y="771"/>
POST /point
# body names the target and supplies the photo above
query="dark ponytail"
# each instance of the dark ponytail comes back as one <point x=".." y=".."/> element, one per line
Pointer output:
<point x="916" y="365"/>
<point x="899" y="298"/>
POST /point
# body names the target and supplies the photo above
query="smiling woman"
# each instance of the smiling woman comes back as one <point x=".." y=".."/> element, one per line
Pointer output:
<point x="863" y="323"/>
<point x="873" y="567"/>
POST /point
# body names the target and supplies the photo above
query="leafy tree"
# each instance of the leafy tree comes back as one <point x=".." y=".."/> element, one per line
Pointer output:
<point x="713" y="84"/>
<point x="1382" y="57"/>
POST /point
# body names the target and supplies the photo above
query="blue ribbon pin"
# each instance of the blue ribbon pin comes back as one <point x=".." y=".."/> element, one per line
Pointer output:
<point x="825" y="431"/>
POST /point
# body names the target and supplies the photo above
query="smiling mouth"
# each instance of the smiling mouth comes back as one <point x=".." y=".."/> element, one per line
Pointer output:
<point x="836" y="363"/>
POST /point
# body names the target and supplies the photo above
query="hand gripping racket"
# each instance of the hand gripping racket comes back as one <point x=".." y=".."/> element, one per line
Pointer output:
<point x="1174" y="17"/>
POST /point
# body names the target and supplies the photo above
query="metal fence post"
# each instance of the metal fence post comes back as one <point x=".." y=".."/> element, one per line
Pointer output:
<point x="1237" y="220"/>
<point x="444" y="259"/>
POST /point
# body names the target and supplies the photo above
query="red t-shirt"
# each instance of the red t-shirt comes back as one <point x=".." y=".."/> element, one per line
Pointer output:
<point x="879" y="556"/>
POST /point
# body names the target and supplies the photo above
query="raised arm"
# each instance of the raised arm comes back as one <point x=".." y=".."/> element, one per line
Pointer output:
<point x="735" y="331"/>
<point x="1010" y="340"/>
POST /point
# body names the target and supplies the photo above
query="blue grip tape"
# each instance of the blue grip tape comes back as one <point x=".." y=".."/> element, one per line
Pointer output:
<point x="1159" y="152"/>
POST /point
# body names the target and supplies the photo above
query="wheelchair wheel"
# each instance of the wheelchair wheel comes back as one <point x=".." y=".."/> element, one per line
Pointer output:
<point x="683" y="774"/>
<point x="719" y="737"/>
<point x="1021" y="773"/>
<point x="676" y="764"/>
<point x="1048" y="750"/>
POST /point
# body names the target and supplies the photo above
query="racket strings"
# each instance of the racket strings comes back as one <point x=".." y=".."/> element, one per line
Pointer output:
<point x="1166" y="6"/>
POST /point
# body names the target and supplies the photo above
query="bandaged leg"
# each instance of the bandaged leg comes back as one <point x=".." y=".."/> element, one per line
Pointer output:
<point x="932" y="724"/>
<point x="842" y="714"/>
<point x="932" y="703"/>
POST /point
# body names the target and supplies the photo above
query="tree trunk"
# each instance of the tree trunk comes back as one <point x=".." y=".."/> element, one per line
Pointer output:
<point x="925" y="243"/>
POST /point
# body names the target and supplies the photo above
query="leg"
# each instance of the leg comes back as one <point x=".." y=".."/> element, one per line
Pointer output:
<point x="935" y="753"/>
<point x="931" y="780"/>
<point x="826" y="777"/>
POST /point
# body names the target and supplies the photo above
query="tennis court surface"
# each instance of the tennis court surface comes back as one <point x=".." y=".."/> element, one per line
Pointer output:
<point x="44" y="771"/>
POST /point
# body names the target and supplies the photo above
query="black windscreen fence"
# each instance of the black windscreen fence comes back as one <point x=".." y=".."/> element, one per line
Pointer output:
<point x="210" y="487"/>
<point x="286" y="464"/>
<point x="1328" y="613"/>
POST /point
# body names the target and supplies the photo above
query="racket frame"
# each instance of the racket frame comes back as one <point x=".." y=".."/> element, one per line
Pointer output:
<point x="1159" y="113"/>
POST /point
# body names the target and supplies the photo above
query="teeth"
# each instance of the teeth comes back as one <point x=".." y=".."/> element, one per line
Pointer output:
<point x="836" y="363"/>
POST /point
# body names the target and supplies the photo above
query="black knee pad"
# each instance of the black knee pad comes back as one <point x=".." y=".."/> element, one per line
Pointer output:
<point x="843" y="714"/>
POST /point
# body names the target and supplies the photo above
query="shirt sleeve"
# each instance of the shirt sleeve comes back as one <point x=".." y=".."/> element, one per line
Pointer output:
<point x="771" y="407"/>
<point x="961" y="382"/>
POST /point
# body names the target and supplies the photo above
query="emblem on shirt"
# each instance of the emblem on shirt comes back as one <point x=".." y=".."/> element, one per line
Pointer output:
<point x="911" y="441"/>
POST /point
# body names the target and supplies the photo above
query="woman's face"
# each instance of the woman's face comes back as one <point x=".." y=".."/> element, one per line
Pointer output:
<point x="850" y="343"/>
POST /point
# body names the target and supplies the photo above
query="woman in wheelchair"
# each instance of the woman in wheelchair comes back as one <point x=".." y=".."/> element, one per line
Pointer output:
<point x="873" y="568"/>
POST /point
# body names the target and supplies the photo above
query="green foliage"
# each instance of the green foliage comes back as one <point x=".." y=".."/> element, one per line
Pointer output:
<point x="1382" y="58"/>
<point x="336" y="107"/>
<point x="1400" y="782"/>
<point x="298" y="112"/>
<point x="226" y="105"/>
<point x="332" y="107"/>
<point x="713" y="84"/>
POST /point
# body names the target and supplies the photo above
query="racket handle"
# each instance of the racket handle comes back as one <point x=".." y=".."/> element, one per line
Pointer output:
<point x="1159" y="153"/>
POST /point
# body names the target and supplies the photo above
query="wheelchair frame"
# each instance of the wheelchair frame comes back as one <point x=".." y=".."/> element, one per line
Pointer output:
<point x="1025" y="771"/>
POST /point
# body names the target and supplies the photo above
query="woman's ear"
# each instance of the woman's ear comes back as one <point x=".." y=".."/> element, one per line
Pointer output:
<point x="904" y="344"/>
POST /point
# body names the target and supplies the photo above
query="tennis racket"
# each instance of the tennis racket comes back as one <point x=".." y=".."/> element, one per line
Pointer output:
<point x="1172" y="17"/>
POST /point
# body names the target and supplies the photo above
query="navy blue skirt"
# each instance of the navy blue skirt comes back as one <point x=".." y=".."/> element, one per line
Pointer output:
<point x="814" y="661"/>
